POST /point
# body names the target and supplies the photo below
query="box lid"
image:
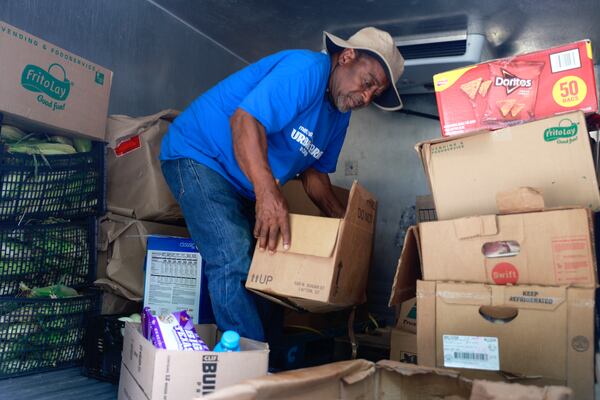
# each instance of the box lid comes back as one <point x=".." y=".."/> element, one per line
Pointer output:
<point x="408" y="270"/>
<point x="314" y="236"/>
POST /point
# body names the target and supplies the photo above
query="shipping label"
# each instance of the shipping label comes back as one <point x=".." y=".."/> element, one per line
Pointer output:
<point x="474" y="352"/>
<point x="572" y="262"/>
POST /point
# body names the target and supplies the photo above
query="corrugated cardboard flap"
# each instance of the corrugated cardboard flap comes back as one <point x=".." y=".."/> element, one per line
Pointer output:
<point x="411" y="369"/>
<point x="471" y="227"/>
<point x="314" y="236"/>
<point x="408" y="269"/>
<point x="362" y="208"/>
<point x="291" y="383"/>
<point x="487" y="390"/>
<point x="425" y="146"/>
<point x="282" y="301"/>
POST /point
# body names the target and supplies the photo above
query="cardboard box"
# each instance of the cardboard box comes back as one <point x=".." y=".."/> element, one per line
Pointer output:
<point x="407" y="316"/>
<point x="519" y="331"/>
<point x="386" y="380"/>
<point x="403" y="346"/>
<point x="327" y="265"/>
<point x="123" y="242"/>
<point x="552" y="155"/>
<point x="173" y="277"/>
<point x="408" y="270"/>
<point x="148" y="373"/>
<point x="136" y="187"/>
<point x="48" y="89"/>
<point x="509" y="91"/>
<point x="554" y="247"/>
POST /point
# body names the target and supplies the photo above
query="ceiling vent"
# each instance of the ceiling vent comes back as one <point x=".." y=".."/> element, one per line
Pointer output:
<point x="433" y="45"/>
<point x="426" y="57"/>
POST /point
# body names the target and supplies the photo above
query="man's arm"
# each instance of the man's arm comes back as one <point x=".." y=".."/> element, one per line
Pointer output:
<point x="250" y="149"/>
<point x="318" y="187"/>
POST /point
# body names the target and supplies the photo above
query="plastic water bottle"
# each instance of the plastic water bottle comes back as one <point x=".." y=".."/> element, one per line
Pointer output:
<point x="230" y="341"/>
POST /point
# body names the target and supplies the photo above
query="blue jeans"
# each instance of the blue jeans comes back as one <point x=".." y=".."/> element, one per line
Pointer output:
<point x="220" y="221"/>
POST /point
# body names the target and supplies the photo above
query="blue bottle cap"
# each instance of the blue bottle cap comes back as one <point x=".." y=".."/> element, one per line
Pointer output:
<point x="230" y="339"/>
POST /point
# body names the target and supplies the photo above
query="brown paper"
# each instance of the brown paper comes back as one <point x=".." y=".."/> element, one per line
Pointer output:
<point x="136" y="187"/>
<point x="123" y="240"/>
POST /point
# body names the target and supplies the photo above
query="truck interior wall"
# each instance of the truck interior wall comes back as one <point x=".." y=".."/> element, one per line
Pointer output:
<point x="158" y="61"/>
<point x="379" y="153"/>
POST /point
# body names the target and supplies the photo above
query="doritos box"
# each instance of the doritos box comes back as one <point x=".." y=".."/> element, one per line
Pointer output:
<point x="508" y="91"/>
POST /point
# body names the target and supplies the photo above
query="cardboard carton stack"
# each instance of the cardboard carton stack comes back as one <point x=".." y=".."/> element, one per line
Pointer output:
<point x="507" y="276"/>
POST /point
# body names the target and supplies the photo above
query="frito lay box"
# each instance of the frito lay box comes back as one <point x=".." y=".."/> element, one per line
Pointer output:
<point x="507" y="91"/>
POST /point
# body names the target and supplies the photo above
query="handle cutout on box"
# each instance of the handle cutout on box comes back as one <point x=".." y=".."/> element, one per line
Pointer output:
<point x="498" y="315"/>
<point x="501" y="248"/>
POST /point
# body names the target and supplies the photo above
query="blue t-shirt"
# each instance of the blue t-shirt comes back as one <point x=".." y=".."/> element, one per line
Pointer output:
<point x="286" y="93"/>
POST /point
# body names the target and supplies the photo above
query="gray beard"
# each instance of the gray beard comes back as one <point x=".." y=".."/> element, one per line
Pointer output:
<point x="341" y="105"/>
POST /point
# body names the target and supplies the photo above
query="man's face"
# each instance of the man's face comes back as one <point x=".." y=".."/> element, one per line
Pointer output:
<point x="356" y="81"/>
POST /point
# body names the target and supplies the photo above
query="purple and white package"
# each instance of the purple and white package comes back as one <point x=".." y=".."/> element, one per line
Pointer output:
<point x="146" y="317"/>
<point x="173" y="331"/>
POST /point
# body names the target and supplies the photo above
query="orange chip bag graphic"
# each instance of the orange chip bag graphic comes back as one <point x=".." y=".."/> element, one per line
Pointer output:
<point x="512" y="91"/>
<point x="471" y="87"/>
<point x="505" y="106"/>
<point x="516" y="109"/>
<point x="485" y="85"/>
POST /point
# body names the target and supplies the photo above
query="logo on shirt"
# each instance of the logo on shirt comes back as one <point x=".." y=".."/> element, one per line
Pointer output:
<point x="304" y="137"/>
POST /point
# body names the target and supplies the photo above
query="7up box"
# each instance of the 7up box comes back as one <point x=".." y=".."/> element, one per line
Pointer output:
<point x="513" y="90"/>
<point x="46" y="88"/>
<point x="553" y="155"/>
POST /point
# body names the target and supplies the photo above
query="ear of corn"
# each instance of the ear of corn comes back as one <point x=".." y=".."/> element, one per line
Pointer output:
<point x="82" y="145"/>
<point x="39" y="147"/>
<point x="19" y="141"/>
<point x="61" y="139"/>
<point x="52" y="292"/>
<point x="11" y="133"/>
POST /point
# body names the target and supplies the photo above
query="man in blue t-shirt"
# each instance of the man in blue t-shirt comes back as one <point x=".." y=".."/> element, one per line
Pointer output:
<point x="227" y="154"/>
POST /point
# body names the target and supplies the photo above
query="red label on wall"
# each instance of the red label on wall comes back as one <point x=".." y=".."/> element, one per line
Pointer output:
<point x="504" y="273"/>
<point x="128" y="145"/>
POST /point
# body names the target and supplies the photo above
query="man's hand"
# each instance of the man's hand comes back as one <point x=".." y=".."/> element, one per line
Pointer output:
<point x="318" y="187"/>
<point x="271" y="218"/>
<point x="250" y="148"/>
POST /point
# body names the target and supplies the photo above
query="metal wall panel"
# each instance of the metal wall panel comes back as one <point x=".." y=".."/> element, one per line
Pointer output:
<point x="158" y="62"/>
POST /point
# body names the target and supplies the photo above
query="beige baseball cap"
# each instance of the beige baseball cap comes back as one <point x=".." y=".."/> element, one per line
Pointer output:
<point x="380" y="45"/>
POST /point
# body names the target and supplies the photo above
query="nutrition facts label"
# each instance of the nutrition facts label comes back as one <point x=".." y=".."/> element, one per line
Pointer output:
<point x="173" y="281"/>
